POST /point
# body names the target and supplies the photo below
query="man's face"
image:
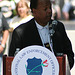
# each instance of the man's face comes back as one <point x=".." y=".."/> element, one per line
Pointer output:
<point x="43" y="12"/>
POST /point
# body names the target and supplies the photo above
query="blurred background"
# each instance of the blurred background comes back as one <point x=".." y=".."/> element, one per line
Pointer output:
<point x="63" y="10"/>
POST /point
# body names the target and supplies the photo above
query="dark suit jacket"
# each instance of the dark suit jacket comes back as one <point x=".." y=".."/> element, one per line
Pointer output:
<point x="27" y="34"/>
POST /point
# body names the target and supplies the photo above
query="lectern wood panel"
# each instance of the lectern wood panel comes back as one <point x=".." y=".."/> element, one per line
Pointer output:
<point x="7" y="61"/>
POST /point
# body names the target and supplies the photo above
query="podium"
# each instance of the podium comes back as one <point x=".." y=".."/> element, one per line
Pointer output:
<point x="7" y="61"/>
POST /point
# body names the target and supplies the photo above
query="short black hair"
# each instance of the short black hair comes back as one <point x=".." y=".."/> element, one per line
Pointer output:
<point x="33" y="4"/>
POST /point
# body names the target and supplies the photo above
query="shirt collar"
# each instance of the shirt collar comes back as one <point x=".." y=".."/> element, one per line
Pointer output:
<point x="41" y="27"/>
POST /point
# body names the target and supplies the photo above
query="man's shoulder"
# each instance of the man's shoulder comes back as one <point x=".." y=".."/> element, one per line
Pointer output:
<point x="60" y="22"/>
<point x="57" y="24"/>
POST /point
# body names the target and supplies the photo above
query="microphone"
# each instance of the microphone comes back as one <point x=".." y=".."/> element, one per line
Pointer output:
<point x="52" y="27"/>
<point x="54" y="23"/>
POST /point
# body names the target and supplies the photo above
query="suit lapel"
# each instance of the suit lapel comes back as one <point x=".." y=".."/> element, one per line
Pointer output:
<point x="36" y="35"/>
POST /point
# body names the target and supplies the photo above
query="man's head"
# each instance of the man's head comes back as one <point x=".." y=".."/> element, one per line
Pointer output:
<point x="41" y="10"/>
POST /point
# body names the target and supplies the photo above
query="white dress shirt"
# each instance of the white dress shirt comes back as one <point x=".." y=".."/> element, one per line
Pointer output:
<point x="44" y="34"/>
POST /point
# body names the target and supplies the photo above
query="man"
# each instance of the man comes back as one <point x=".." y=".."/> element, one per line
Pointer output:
<point x="38" y="30"/>
<point x="3" y="37"/>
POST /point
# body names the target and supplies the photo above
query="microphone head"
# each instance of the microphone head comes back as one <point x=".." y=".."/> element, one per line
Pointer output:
<point x="54" y="23"/>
